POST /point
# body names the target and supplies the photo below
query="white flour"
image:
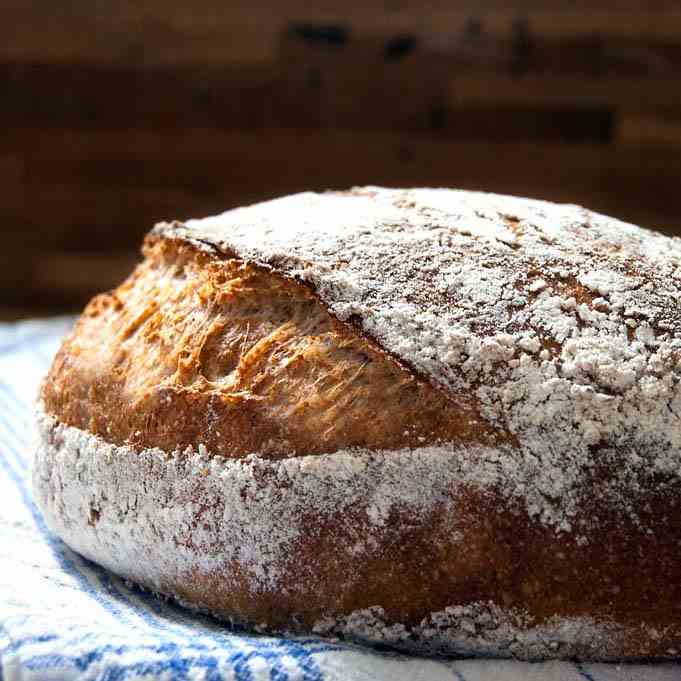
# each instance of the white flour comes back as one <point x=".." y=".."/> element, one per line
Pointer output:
<point x="256" y="506"/>
<point x="157" y="518"/>
<point x="472" y="290"/>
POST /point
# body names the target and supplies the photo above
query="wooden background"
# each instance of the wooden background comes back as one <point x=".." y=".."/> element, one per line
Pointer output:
<point x="117" y="115"/>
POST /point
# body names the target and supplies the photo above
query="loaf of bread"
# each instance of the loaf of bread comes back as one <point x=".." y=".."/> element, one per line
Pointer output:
<point x="442" y="421"/>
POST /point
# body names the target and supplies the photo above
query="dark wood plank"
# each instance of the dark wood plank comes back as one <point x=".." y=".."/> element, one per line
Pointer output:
<point x="648" y="132"/>
<point x="112" y="177"/>
<point x="14" y="312"/>
<point x="75" y="275"/>
<point x="135" y="33"/>
<point x="85" y="197"/>
<point x="94" y="95"/>
<point x="654" y="96"/>
<point x="413" y="97"/>
<point x="208" y="32"/>
<point x="53" y="279"/>
<point x="489" y="43"/>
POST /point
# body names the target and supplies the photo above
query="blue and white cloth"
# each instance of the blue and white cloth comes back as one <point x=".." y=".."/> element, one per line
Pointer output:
<point x="64" y="618"/>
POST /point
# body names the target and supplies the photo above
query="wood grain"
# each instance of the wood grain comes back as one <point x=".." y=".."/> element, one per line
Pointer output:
<point x="173" y="33"/>
<point x="117" y="116"/>
<point x="151" y="175"/>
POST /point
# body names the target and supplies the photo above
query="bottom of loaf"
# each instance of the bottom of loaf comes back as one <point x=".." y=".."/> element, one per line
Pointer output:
<point x="475" y="630"/>
<point x="235" y="539"/>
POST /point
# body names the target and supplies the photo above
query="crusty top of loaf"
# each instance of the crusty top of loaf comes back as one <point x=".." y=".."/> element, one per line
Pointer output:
<point x="562" y="322"/>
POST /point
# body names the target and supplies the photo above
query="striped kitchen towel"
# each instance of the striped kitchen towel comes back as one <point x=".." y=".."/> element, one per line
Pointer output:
<point x="62" y="617"/>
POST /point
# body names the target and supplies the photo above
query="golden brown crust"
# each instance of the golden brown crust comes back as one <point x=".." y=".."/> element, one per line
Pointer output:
<point x="198" y="348"/>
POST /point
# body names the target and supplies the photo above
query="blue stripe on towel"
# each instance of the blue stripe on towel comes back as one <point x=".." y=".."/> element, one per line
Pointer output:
<point x="588" y="676"/>
<point x="56" y="545"/>
<point x="10" y="401"/>
<point x="60" y="550"/>
<point x="178" y="659"/>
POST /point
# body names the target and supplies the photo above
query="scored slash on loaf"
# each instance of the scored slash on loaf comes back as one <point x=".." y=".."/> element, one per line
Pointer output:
<point x="441" y="420"/>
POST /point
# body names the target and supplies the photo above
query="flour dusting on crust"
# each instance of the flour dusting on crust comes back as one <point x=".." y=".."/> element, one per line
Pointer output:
<point x="255" y="508"/>
<point x="157" y="518"/>
<point x="565" y="324"/>
<point x="482" y="627"/>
